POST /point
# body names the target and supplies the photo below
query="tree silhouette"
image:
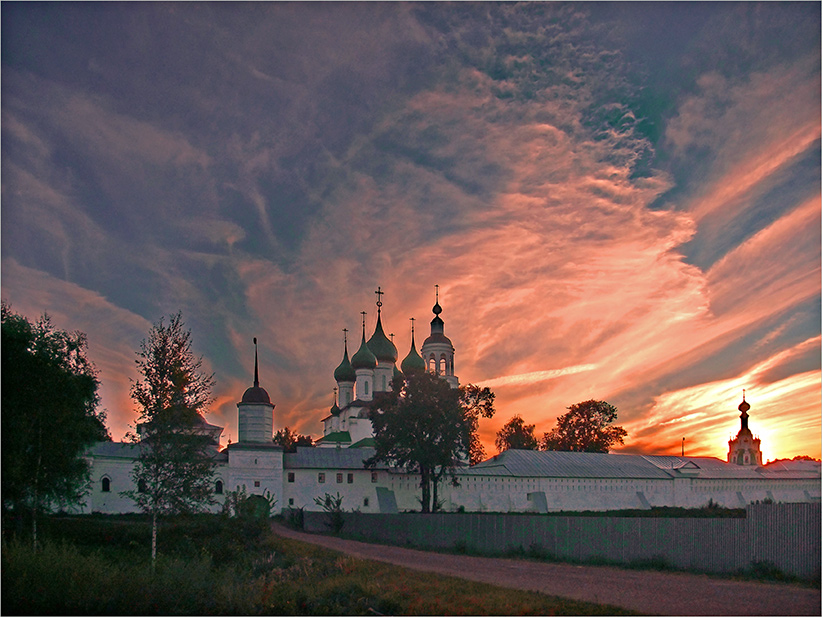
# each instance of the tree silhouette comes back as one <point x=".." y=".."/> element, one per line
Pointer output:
<point x="50" y="417"/>
<point x="176" y="464"/>
<point x="585" y="428"/>
<point x="428" y="428"/>
<point x="289" y="440"/>
<point x="516" y="435"/>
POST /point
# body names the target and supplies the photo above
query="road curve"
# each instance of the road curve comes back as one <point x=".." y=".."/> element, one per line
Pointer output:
<point x="654" y="593"/>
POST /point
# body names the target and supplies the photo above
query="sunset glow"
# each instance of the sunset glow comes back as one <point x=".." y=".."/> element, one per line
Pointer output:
<point x="619" y="202"/>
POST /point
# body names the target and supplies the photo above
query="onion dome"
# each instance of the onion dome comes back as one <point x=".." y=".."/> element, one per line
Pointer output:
<point x="345" y="372"/>
<point x="413" y="362"/>
<point x="256" y="394"/>
<point x="744" y="406"/>
<point x="364" y="358"/>
<point x="398" y="373"/>
<point x="335" y="409"/>
<point x="380" y="346"/>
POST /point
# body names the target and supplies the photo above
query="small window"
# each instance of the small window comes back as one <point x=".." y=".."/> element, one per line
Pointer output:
<point x="351" y="478"/>
<point x="256" y="484"/>
<point x="291" y="476"/>
<point x="141" y="486"/>
<point x="290" y="501"/>
<point x="366" y="387"/>
<point x="339" y="478"/>
<point x="106" y="485"/>
<point x="321" y="478"/>
<point x="365" y="502"/>
<point x="373" y="477"/>
<point x="218" y="487"/>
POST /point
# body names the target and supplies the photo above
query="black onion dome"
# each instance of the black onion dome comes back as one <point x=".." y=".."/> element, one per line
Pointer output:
<point x="256" y="394"/>
<point x="744" y="406"/>
<point x="382" y="348"/>
<point x="345" y="371"/>
<point x="335" y="410"/>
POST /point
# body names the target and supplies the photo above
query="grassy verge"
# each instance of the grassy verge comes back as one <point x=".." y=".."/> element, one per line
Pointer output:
<point x="211" y="565"/>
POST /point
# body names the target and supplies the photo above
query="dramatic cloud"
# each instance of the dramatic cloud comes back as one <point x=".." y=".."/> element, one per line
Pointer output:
<point x="610" y="210"/>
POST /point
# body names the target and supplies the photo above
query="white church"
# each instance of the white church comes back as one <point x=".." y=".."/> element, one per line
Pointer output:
<point x="513" y="481"/>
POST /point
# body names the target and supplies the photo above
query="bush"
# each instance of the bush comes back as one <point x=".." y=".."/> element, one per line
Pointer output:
<point x="332" y="505"/>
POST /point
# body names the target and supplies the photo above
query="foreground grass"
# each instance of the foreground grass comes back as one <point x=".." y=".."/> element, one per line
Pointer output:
<point x="218" y="566"/>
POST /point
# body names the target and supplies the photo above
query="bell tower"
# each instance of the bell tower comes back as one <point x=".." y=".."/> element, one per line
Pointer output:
<point x="437" y="350"/>
<point x="255" y="411"/>
<point x="744" y="449"/>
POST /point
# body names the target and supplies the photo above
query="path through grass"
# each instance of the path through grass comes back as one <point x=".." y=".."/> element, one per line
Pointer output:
<point x="210" y="565"/>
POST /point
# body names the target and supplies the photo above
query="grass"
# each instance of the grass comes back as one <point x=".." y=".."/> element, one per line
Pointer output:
<point x="212" y="565"/>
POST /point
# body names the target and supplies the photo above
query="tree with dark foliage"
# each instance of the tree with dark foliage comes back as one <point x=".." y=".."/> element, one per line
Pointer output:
<point x="516" y="435"/>
<point x="176" y="464"/>
<point x="289" y="440"/>
<point x="50" y="416"/>
<point x="428" y="427"/>
<point x="586" y="427"/>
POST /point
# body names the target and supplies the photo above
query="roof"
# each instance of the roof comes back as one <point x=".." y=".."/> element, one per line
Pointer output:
<point x="366" y="442"/>
<point x="555" y="464"/>
<point x="336" y="437"/>
<point x="115" y="449"/>
<point x="329" y="458"/>
<point x="552" y="464"/>
<point x="131" y="451"/>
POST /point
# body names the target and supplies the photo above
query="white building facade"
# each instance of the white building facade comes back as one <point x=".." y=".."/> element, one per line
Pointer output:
<point x="513" y="481"/>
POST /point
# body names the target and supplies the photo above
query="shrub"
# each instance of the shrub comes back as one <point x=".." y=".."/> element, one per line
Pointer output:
<point x="332" y="505"/>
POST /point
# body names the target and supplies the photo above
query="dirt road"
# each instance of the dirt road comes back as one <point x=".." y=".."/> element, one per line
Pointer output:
<point x="655" y="593"/>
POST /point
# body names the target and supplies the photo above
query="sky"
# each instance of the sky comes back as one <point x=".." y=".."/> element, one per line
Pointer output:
<point x="617" y="201"/>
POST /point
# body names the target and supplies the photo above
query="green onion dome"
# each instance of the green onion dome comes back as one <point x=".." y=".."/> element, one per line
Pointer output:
<point x="364" y="358"/>
<point x="413" y="362"/>
<point x="380" y="346"/>
<point x="335" y="410"/>
<point x="398" y="373"/>
<point x="345" y="372"/>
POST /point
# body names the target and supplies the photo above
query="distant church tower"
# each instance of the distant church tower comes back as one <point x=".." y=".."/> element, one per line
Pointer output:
<point x="744" y="450"/>
<point x="256" y="413"/>
<point x="437" y="350"/>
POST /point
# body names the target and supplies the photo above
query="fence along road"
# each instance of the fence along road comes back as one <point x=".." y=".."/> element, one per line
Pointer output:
<point x="655" y="593"/>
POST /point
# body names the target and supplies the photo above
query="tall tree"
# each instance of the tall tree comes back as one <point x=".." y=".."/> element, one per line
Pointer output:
<point x="49" y="412"/>
<point x="174" y="472"/>
<point x="289" y="440"/>
<point x="428" y="427"/>
<point x="516" y="435"/>
<point x="586" y="427"/>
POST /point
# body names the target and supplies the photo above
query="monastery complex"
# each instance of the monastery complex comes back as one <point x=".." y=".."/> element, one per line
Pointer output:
<point x="513" y="481"/>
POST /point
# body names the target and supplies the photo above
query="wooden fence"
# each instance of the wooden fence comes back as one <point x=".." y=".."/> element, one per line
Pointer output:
<point x="785" y="536"/>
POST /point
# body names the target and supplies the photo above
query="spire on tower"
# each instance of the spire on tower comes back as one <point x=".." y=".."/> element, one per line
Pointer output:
<point x="256" y="371"/>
